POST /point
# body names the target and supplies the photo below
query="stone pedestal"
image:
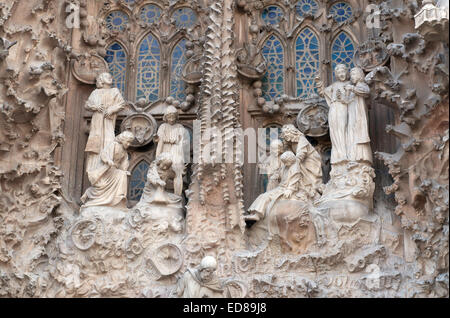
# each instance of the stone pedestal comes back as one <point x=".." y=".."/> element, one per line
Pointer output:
<point x="348" y="196"/>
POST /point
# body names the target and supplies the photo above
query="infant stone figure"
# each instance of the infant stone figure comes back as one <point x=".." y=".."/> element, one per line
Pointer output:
<point x="288" y="186"/>
<point x="273" y="164"/>
<point x="165" y="208"/>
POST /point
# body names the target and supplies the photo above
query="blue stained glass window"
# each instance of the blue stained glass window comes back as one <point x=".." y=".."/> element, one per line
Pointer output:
<point x="342" y="51"/>
<point x="150" y="13"/>
<point x="341" y="11"/>
<point x="178" y="61"/>
<point x="116" y="57"/>
<point x="272" y="15"/>
<point x="184" y="17"/>
<point x="273" y="81"/>
<point x="130" y="2"/>
<point x="307" y="62"/>
<point x="117" y="21"/>
<point x="148" y="69"/>
<point x="306" y="7"/>
<point x="137" y="180"/>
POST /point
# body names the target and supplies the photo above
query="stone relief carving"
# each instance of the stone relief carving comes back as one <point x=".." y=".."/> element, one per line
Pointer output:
<point x="143" y="127"/>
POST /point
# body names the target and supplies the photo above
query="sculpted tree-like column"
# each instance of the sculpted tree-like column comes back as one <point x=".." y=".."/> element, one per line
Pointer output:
<point x="105" y="102"/>
<point x="171" y="137"/>
<point x="109" y="179"/>
<point x="348" y="196"/>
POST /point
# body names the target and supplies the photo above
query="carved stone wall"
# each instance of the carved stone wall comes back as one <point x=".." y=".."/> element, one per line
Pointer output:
<point x="48" y="248"/>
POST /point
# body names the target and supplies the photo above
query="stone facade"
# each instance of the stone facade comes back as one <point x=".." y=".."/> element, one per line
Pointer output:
<point x="370" y="225"/>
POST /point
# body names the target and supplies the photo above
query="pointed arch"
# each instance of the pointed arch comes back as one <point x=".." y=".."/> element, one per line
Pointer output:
<point x="178" y="60"/>
<point x="148" y="69"/>
<point x="342" y="51"/>
<point x="307" y="62"/>
<point x="116" y="57"/>
<point x="138" y="179"/>
<point x="273" y="81"/>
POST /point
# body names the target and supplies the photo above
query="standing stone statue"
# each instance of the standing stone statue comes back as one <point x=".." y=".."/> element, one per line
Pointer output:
<point x="105" y="102"/>
<point x="200" y="282"/>
<point x="109" y="179"/>
<point x="358" y="140"/>
<point x="337" y="99"/>
<point x="171" y="137"/>
<point x="348" y="196"/>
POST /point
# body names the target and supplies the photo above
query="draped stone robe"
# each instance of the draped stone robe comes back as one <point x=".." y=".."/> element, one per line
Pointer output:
<point x="358" y="140"/>
<point x="109" y="183"/>
<point x="191" y="286"/>
<point x="337" y="120"/>
<point x="290" y="179"/>
<point x="102" y="129"/>
<point x="311" y="166"/>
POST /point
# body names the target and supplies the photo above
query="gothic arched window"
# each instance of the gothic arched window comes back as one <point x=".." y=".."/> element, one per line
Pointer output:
<point x="342" y="51"/>
<point x="272" y="15"/>
<point x="137" y="180"/>
<point x="117" y="21"/>
<point x="178" y="61"/>
<point x="184" y="17"/>
<point x="150" y="13"/>
<point x="116" y="57"/>
<point x="307" y="62"/>
<point x="148" y="69"/>
<point x="273" y="81"/>
<point x="306" y="7"/>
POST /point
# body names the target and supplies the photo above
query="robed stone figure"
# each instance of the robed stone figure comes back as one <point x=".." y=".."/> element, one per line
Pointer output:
<point x="105" y="102"/>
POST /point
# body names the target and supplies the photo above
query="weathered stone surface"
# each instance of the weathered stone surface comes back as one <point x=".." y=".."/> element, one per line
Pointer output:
<point x="341" y="224"/>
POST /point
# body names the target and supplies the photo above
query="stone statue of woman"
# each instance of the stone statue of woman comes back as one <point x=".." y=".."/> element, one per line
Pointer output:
<point x="105" y="102"/>
<point x="358" y="140"/>
<point x="337" y="99"/>
<point x="171" y="137"/>
<point x="109" y="179"/>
